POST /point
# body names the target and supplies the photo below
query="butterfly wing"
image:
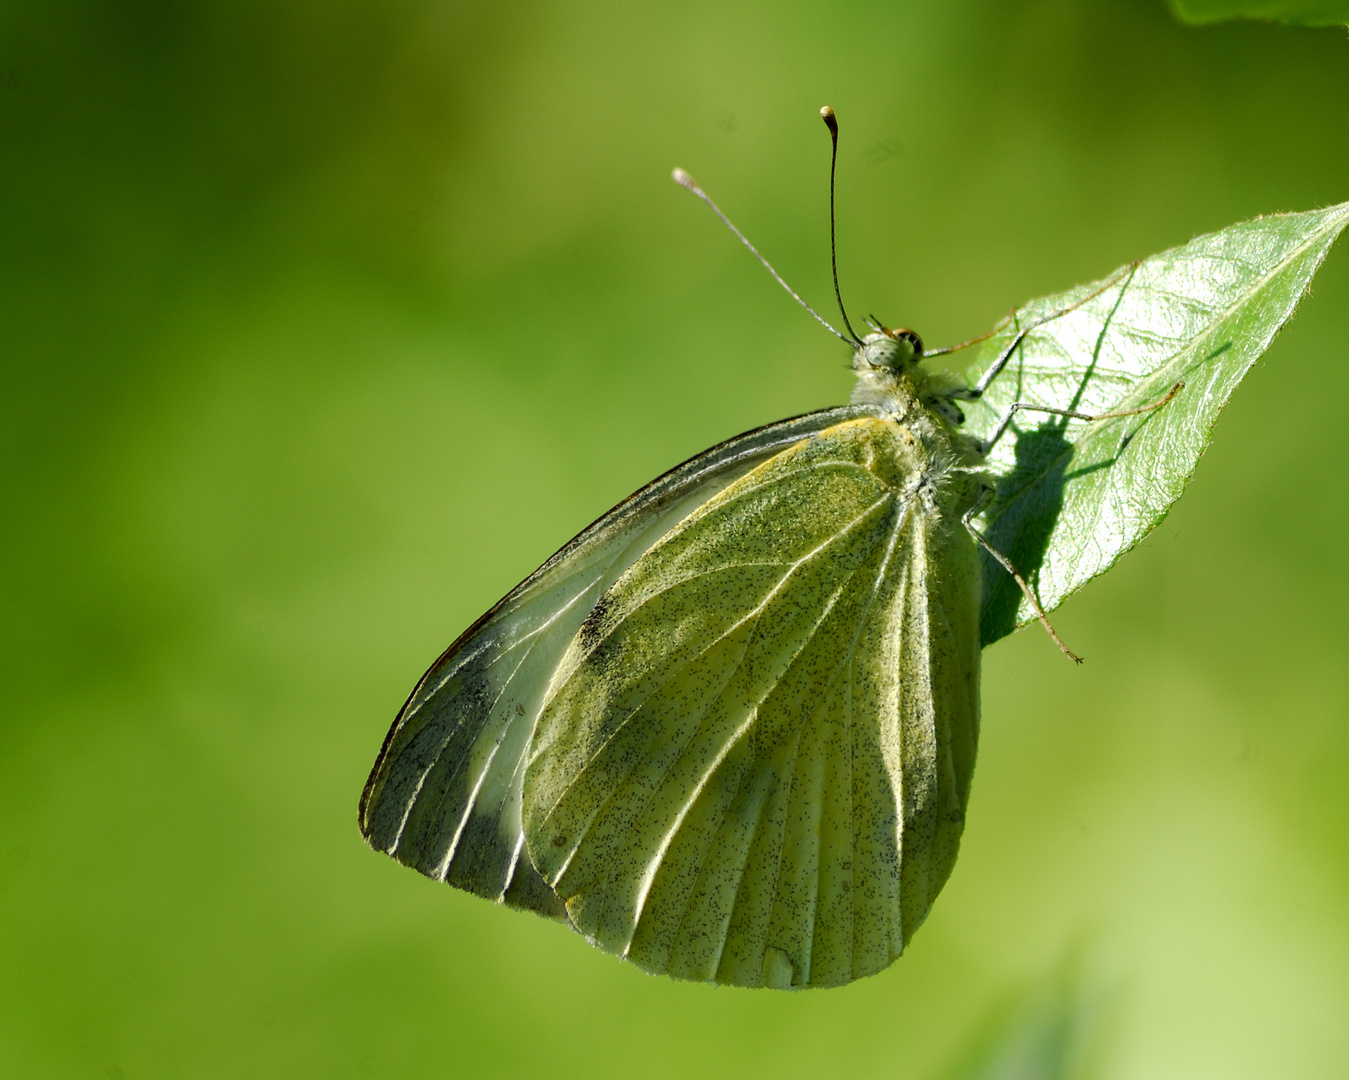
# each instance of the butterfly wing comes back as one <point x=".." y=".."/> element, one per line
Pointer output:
<point x="754" y="762"/>
<point x="444" y="794"/>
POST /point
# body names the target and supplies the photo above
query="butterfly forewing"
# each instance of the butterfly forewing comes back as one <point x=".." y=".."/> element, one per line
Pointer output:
<point x="754" y="760"/>
<point x="444" y="795"/>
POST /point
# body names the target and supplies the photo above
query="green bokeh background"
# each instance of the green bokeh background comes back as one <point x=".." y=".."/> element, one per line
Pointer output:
<point x="324" y="323"/>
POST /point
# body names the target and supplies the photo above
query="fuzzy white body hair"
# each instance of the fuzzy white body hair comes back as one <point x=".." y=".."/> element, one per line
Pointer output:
<point x="921" y="403"/>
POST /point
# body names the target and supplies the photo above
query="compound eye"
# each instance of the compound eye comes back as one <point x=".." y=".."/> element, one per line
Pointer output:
<point x="913" y="339"/>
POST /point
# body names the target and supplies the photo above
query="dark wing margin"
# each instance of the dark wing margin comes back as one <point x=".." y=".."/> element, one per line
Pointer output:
<point x="444" y="795"/>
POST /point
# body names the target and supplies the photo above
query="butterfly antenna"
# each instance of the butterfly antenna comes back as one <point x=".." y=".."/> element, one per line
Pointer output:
<point x="684" y="180"/>
<point x="831" y="122"/>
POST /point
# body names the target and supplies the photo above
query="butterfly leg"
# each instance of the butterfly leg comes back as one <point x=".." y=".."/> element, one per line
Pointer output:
<point x="986" y="445"/>
<point x="1006" y="564"/>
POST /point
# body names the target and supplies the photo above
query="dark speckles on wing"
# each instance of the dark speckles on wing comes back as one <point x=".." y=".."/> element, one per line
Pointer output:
<point x="591" y="630"/>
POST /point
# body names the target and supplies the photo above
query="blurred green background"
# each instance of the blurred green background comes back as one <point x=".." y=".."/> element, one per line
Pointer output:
<point x="323" y="324"/>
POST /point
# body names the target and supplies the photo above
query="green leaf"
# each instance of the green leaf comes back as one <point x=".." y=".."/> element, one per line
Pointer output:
<point x="1073" y="496"/>
<point x="1293" y="12"/>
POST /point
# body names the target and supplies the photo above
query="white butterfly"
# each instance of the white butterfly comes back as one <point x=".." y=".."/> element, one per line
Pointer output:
<point x="728" y="731"/>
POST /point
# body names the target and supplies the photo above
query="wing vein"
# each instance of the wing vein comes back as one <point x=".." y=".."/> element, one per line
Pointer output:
<point x="672" y="671"/>
<point x="846" y="670"/>
<point x="460" y="766"/>
<point x="824" y="614"/>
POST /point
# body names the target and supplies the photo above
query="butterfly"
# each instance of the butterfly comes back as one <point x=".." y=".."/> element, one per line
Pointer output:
<point x="728" y="731"/>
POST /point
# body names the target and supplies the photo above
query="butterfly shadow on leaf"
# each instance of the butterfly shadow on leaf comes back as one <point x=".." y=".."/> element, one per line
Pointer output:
<point x="1029" y="499"/>
<point x="1026" y="508"/>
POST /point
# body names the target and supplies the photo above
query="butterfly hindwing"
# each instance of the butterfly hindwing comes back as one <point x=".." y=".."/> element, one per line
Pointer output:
<point x="754" y="760"/>
<point x="444" y="795"/>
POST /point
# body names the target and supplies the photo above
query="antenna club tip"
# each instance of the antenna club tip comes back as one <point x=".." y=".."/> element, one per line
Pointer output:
<point x="830" y="121"/>
<point x="683" y="179"/>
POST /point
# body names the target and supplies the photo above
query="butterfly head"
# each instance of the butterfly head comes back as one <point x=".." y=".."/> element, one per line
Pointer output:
<point x="886" y="365"/>
<point x="896" y="351"/>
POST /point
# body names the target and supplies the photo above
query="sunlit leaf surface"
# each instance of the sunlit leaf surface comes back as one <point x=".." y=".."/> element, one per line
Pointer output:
<point x="1074" y="496"/>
